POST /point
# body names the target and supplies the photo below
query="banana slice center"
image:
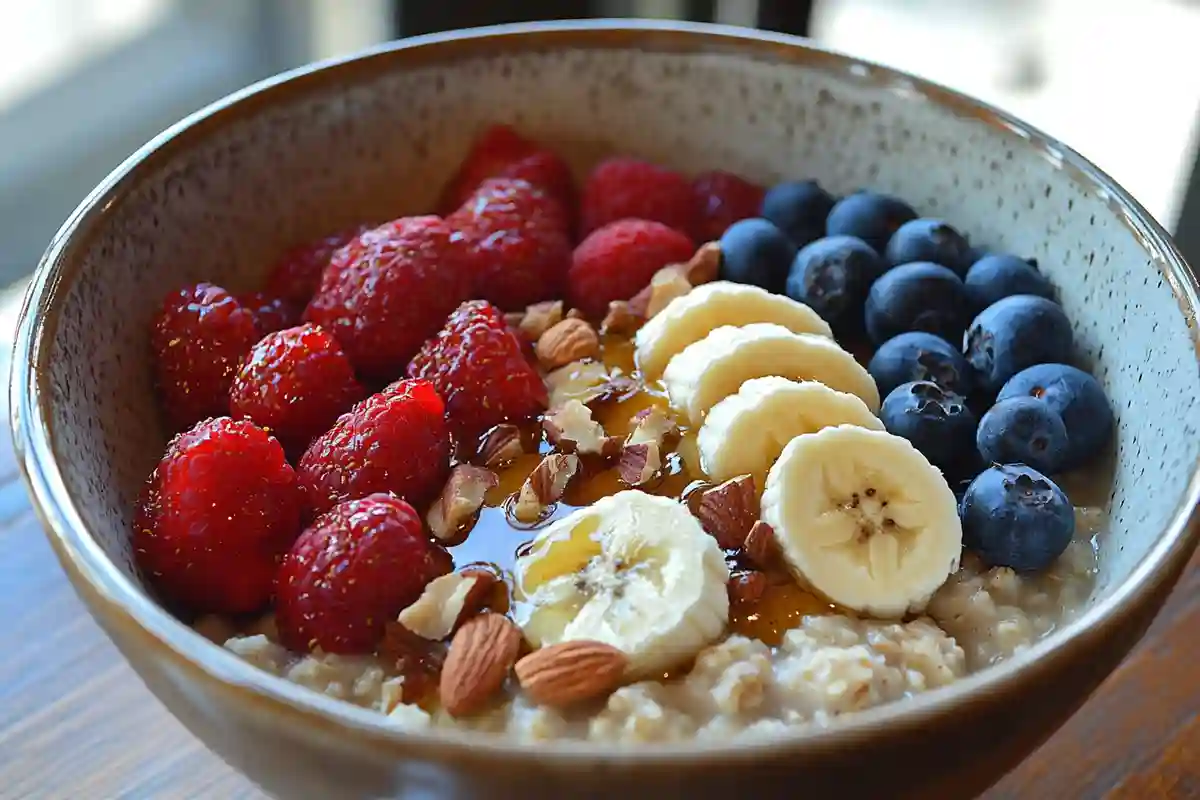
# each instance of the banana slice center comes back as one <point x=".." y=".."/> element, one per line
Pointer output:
<point x="867" y="515"/>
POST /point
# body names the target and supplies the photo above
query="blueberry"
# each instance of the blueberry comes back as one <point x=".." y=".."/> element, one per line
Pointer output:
<point x="917" y="297"/>
<point x="936" y="422"/>
<point x="1014" y="516"/>
<point x="799" y="208"/>
<point x="1001" y="275"/>
<point x="870" y="216"/>
<point x="1076" y="397"/>
<point x="1023" y="430"/>
<point x="929" y="240"/>
<point x="919" y="356"/>
<point x="754" y="251"/>
<point x="832" y="275"/>
<point x="1015" y="333"/>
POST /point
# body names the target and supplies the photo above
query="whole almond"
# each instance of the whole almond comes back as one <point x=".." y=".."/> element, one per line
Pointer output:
<point x="481" y="654"/>
<point x="569" y="340"/>
<point x="571" y="672"/>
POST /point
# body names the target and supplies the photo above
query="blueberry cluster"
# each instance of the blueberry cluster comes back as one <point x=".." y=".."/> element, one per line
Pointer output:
<point x="972" y="352"/>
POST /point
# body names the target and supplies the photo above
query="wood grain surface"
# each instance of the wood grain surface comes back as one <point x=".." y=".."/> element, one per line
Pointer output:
<point x="75" y="722"/>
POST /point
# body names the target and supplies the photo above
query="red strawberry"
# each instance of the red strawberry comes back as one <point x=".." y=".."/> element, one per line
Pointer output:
<point x="618" y="260"/>
<point x="271" y="313"/>
<point x="297" y="274"/>
<point x="216" y="516"/>
<point x="501" y="152"/>
<point x="477" y="365"/>
<point x="624" y="188"/>
<point x="516" y="242"/>
<point x="352" y="571"/>
<point x="198" y="339"/>
<point x="394" y="441"/>
<point x="296" y="383"/>
<point x="547" y="171"/>
<point x="389" y="290"/>
<point x="722" y="199"/>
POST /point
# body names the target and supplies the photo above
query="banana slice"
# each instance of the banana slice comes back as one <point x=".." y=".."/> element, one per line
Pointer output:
<point x="863" y="519"/>
<point x="715" y="367"/>
<point x="690" y="318"/>
<point x="634" y="571"/>
<point x="746" y="432"/>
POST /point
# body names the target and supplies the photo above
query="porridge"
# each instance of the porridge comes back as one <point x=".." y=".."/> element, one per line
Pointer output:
<point x="542" y="467"/>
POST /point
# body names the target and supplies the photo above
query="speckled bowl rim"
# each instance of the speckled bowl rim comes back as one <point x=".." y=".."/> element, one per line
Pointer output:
<point x="120" y="602"/>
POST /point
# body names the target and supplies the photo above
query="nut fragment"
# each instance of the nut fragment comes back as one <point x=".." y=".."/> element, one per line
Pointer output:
<point x="652" y="425"/>
<point x="417" y="659"/>
<point x="760" y="547"/>
<point x="666" y="285"/>
<point x="580" y="380"/>
<point x="575" y="313"/>
<point x="729" y="510"/>
<point x="569" y="340"/>
<point x="639" y="463"/>
<point x="569" y="673"/>
<point x="620" y="319"/>
<point x="481" y="654"/>
<point x="501" y="445"/>
<point x="572" y="429"/>
<point x="447" y="602"/>
<point x="746" y="588"/>
<point x="513" y="319"/>
<point x="704" y="264"/>
<point x="540" y="317"/>
<point x="460" y="499"/>
<point x="545" y="485"/>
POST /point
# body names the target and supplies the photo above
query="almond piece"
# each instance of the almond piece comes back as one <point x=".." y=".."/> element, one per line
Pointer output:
<point x="652" y="425"/>
<point x="481" y="654"/>
<point x="580" y="380"/>
<point x="569" y="673"/>
<point x="460" y="500"/>
<point x="667" y="284"/>
<point x="501" y="445"/>
<point x="572" y="429"/>
<point x="447" y="602"/>
<point x="729" y="510"/>
<point x="746" y="588"/>
<point x="545" y="485"/>
<point x="539" y="318"/>
<point x="620" y="319"/>
<point x="569" y="340"/>
<point x="575" y="313"/>
<point x="639" y="463"/>
<point x="760" y="547"/>
<point x="704" y="264"/>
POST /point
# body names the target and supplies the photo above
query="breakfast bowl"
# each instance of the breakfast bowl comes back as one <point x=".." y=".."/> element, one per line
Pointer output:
<point x="940" y="697"/>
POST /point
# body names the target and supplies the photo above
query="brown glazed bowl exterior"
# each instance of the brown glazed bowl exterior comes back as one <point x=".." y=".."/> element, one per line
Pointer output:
<point x="373" y="136"/>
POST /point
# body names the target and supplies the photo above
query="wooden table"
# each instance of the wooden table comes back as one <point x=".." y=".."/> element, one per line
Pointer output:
<point x="75" y="722"/>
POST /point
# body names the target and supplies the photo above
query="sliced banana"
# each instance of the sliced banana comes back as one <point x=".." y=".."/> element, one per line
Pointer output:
<point x="710" y="370"/>
<point x="690" y="318"/>
<point x="863" y="519"/>
<point x="634" y="571"/>
<point x="744" y="433"/>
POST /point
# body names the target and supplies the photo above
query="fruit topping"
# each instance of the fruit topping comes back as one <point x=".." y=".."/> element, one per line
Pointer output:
<point x="929" y="240"/>
<point x="628" y="188"/>
<point x="1014" y="516"/>
<point x="1077" y="398"/>
<point x="938" y="423"/>
<point x="271" y="313"/>
<point x="870" y="216"/>
<point x="1023" y="430"/>
<point x="832" y="276"/>
<point x="919" y="356"/>
<point x="722" y="199"/>
<point x="799" y="209"/>
<point x="499" y="151"/>
<point x="619" y="259"/>
<point x="757" y="253"/>
<point x="297" y="274"/>
<point x="1001" y="275"/>
<point x="1014" y="333"/>
<point x="917" y="297"/>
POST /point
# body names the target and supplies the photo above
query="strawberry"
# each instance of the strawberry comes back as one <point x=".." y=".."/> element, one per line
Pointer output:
<point x="352" y="571"/>
<point x="501" y="152"/>
<point x="722" y="199"/>
<point x="618" y="260"/>
<point x="515" y="237"/>
<point x="271" y="313"/>
<point x="477" y="364"/>
<point x="295" y="383"/>
<point x="216" y="516"/>
<point x="390" y="289"/>
<point x="547" y="171"/>
<point x="297" y="273"/>
<point x="394" y="441"/>
<point x="199" y="337"/>
<point x="624" y="188"/>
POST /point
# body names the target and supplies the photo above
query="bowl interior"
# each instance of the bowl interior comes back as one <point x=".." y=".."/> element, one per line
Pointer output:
<point x="375" y="139"/>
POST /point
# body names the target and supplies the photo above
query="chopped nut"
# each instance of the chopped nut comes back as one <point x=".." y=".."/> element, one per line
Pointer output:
<point x="581" y="380"/>
<point x="760" y="547"/>
<point x="704" y="265"/>
<point x="460" y="499"/>
<point x="652" y="425"/>
<point x="418" y="660"/>
<point x="545" y="485"/>
<point x="728" y="511"/>
<point x="575" y="313"/>
<point x="666" y="285"/>
<point x="639" y="463"/>
<point x="501" y="445"/>
<point x="447" y="602"/>
<point x="746" y="588"/>
<point x="572" y="429"/>
<point x="540" y="317"/>
<point x="620" y="319"/>
<point x="569" y="340"/>
<point x="514" y="319"/>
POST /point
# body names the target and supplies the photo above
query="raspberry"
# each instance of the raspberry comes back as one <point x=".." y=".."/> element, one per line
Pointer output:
<point x="216" y="516"/>
<point x="516" y="242"/>
<point x="394" y="441"/>
<point x="271" y="313"/>
<point x="547" y="171"/>
<point x="297" y="273"/>
<point x="618" y="260"/>
<point x="622" y="188"/>
<point x="295" y="382"/>
<point x="722" y="199"/>
<point x="389" y="290"/>
<point x="198" y="339"/>
<point x="477" y="365"/>
<point x="352" y="571"/>
<point x="490" y="154"/>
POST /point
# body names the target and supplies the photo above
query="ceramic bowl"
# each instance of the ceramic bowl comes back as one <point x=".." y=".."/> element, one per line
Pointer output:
<point x="374" y="136"/>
